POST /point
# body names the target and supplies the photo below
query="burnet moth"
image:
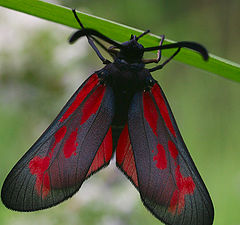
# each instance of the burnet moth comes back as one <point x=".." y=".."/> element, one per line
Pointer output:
<point x="118" y="107"/>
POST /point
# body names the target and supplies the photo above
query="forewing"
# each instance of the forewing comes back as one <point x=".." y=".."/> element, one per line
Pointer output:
<point x="76" y="144"/>
<point x="168" y="181"/>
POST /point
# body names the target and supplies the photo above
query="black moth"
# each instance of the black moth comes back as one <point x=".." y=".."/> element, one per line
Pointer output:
<point x="120" y="107"/>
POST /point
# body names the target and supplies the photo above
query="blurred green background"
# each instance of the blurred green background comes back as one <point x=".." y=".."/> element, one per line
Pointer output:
<point x="39" y="71"/>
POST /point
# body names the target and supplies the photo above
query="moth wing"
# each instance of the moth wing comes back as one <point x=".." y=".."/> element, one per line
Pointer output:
<point x="168" y="181"/>
<point x="77" y="144"/>
<point x="125" y="160"/>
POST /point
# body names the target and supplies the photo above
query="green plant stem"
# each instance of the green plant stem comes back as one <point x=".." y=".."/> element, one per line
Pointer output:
<point x="119" y="32"/>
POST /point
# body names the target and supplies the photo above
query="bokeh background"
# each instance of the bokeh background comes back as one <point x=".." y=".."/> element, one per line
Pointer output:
<point x="39" y="71"/>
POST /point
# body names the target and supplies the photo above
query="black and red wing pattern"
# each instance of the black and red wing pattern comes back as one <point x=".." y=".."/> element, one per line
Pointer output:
<point x="77" y="144"/>
<point x="166" y="177"/>
<point x="125" y="158"/>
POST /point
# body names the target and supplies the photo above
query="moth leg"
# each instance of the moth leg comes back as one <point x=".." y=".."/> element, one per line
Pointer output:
<point x="159" y="53"/>
<point x="91" y="42"/>
<point x="165" y="62"/>
<point x="94" y="47"/>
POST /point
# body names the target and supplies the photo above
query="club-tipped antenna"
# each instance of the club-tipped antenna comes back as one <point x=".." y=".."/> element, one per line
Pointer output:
<point x="182" y="44"/>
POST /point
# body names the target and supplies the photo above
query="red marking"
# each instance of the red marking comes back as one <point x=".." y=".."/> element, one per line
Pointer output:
<point x="104" y="153"/>
<point x="185" y="185"/>
<point x="156" y="91"/>
<point x="122" y="145"/>
<point x="150" y="112"/>
<point x="92" y="104"/>
<point x="70" y="145"/>
<point x="125" y="157"/>
<point x="38" y="166"/>
<point x="107" y="145"/>
<point x="160" y="158"/>
<point x="59" y="135"/>
<point x="90" y="84"/>
<point x="173" y="150"/>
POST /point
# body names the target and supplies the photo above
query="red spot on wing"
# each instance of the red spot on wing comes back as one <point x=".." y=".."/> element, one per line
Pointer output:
<point x="156" y="91"/>
<point x="91" y="83"/>
<point x="92" y="103"/>
<point x="172" y="149"/>
<point x="185" y="186"/>
<point x="59" y="135"/>
<point x="125" y="157"/>
<point x="160" y="157"/>
<point x="150" y="112"/>
<point x="38" y="166"/>
<point x="104" y="153"/>
<point x="70" y="145"/>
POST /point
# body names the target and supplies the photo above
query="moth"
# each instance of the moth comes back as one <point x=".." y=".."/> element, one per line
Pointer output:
<point x="120" y="109"/>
